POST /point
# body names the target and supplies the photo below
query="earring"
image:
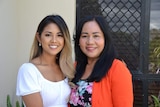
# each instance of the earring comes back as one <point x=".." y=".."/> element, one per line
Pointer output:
<point x="40" y="44"/>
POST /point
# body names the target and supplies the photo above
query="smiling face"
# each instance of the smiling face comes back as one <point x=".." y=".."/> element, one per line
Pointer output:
<point x="52" y="39"/>
<point x="91" y="40"/>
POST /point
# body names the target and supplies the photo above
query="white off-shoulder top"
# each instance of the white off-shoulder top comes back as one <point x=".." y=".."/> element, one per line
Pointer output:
<point x="30" y="80"/>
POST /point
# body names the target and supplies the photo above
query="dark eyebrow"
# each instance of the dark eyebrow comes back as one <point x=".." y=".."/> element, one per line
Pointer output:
<point x="84" y="33"/>
<point x="60" y="33"/>
<point x="51" y="32"/>
<point x="92" y="33"/>
<point x="47" y="32"/>
<point x="95" y="32"/>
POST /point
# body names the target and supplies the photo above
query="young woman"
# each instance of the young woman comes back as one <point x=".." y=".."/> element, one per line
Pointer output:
<point x="101" y="79"/>
<point x="43" y="81"/>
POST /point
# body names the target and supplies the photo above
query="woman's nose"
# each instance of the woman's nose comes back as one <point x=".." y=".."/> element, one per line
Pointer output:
<point x="90" y="40"/>
<point x="53" y="39"/>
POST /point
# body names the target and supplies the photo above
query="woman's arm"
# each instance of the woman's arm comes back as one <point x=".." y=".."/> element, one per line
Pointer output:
<point x="122" y="89"/>
<point x="33" y="100"/>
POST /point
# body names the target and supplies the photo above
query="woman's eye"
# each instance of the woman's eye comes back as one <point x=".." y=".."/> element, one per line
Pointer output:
<point x="60" y="35"/>
<point x="96" y="36"/>
<point x="47" y="34"/>
<point x="83" y="36"/>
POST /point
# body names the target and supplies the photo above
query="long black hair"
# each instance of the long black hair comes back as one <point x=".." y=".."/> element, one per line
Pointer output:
<point x="106" y="57"/>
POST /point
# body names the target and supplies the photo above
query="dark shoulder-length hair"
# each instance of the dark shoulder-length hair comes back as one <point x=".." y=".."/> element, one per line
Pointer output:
<point x="106" y="58"/>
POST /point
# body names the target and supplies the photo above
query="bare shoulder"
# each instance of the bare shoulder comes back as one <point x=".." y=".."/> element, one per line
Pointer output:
<point x="35" y="61"/>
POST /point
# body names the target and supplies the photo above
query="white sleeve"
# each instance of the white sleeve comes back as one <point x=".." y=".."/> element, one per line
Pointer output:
<point x="27" y="80"/>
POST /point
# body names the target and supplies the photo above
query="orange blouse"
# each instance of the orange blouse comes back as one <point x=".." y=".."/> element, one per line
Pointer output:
<point x="115" y="89"/>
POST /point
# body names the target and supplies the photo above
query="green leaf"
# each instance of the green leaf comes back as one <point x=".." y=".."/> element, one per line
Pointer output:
<point x="8" y="101"/>
<point x="156" y="101"/>
<point x="17" y="104"/>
